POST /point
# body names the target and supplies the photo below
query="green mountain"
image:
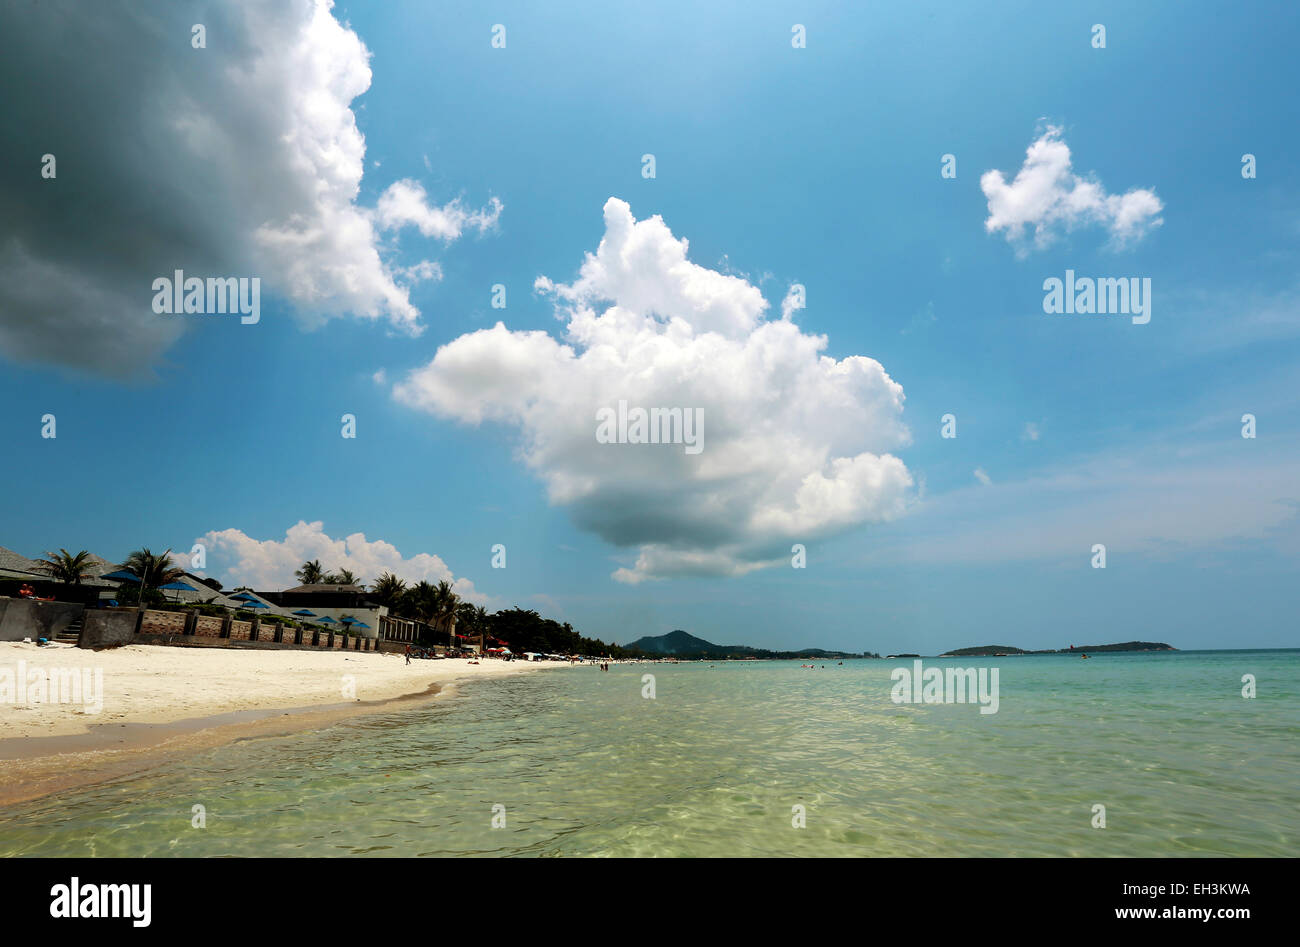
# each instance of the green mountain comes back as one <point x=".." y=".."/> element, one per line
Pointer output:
<point x="676" y="643"/>
<point x="682" y="644"/>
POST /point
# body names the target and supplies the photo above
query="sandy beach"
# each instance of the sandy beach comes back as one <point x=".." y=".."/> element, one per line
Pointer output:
<point x="158" y="702"/>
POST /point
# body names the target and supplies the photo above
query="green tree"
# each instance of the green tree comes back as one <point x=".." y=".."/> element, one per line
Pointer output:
<point x="154" y="570"/>
<point x="388" y="590"/>
<point x="311" y="573"/>
<point x="63" y="566"/>
<point x="417" y="602"/>
<point x="466" y="618"/>
<point x="444" y="605"/>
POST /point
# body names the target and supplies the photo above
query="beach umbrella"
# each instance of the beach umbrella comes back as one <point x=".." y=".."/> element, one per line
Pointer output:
<point x="305" y="613"/>
<point x="328" y="621"/>
<point x="244" y="597"/>
<point x="359" y="624"/>
<point x="178" y="587"/>
<point x="253" y="603"/>
<point x="122" y="575"/>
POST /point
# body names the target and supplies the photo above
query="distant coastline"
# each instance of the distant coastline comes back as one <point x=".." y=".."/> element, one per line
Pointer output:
<point x="680" y="645"/>
<point x="683" y="646"/>
<point x="997" y="651"/>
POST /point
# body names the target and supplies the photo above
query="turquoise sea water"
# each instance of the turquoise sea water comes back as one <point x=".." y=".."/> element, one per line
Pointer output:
<point x="583" y="764"/>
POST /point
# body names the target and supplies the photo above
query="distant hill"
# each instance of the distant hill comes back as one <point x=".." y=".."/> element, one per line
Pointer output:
<point x="683" y="644"/>
<point x="674" y="643"/>
<point x="989" y="650"/>
<point x="985" y="650"/>
<point x="1123" y="646"/>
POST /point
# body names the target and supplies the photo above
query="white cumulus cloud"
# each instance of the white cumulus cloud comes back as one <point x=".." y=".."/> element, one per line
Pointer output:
<point x="795" y="443"/>
<point x="243" y="158"/>
<point x="1047" y="197"/>
<point x="405" y="203"/>
<point x="269" y="564"/>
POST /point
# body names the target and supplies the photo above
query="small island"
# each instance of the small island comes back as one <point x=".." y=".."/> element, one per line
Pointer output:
<point x="1003" y="650"/>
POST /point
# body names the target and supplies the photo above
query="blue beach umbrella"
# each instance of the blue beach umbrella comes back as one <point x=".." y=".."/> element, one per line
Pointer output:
<point x="328" y="621"/>
<point x="178" y="587"/>
<point x="305" y="613"/>
<point x="121" y="575"/>
<point x="244" y="597"/>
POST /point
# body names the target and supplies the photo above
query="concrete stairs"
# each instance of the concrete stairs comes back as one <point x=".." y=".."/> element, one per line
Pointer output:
<point x="70" y="634"/>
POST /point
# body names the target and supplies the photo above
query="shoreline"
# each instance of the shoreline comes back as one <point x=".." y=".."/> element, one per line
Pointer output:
<point x="228" y="696"/>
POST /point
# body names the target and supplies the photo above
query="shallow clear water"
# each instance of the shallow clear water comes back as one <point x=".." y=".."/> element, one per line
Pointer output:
<point x="584" y="765"/>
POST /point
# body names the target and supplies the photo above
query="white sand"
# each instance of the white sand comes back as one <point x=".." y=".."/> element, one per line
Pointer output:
<point x="154" y="684"/>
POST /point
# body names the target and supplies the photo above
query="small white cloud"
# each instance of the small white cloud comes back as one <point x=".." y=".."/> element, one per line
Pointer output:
<point x="421" y="272"/>
<point x="1047" y="197"/>
<point x="405" y="203"/>
<point x="1031" y="432"/>
<point x="793" y="301"/>
<point x="380" y="377"/>
<point x="982" y="477"/>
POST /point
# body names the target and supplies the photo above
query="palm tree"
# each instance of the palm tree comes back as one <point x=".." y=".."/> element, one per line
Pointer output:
<point x="416" y="601"/>
<point x="388" y="590"/>
<point x="342" y="577"/>
<point x="63" y="566"/>
<point x="153" y="570"/>
<point x="311" y="573"/>
<point x="444" y="606"/>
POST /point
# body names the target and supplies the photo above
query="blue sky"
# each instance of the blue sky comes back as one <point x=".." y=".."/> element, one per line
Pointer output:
<point x="818" y="166"/>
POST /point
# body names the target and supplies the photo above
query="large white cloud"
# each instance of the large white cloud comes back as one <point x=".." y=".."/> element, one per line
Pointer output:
<point x="1047" y="197"/>
<point x="794" y="442"/>
<point x="240" y="159"/>
<point x="269" y="564"/>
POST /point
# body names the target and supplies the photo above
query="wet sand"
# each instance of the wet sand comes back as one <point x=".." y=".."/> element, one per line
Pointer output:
<point x="162" y="703"/>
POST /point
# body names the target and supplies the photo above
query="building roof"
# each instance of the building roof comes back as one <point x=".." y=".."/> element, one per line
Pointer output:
<point x="15" y="565"/>
<point x="11" y="561"/>
<point x="100" y="566"/>
<point x="325" y="587"/>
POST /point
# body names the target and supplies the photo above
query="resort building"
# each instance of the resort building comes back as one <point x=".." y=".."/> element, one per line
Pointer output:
<point x="347" y="607"/>
<point x="338" y="608"/>
<point x="16" y="568"/>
